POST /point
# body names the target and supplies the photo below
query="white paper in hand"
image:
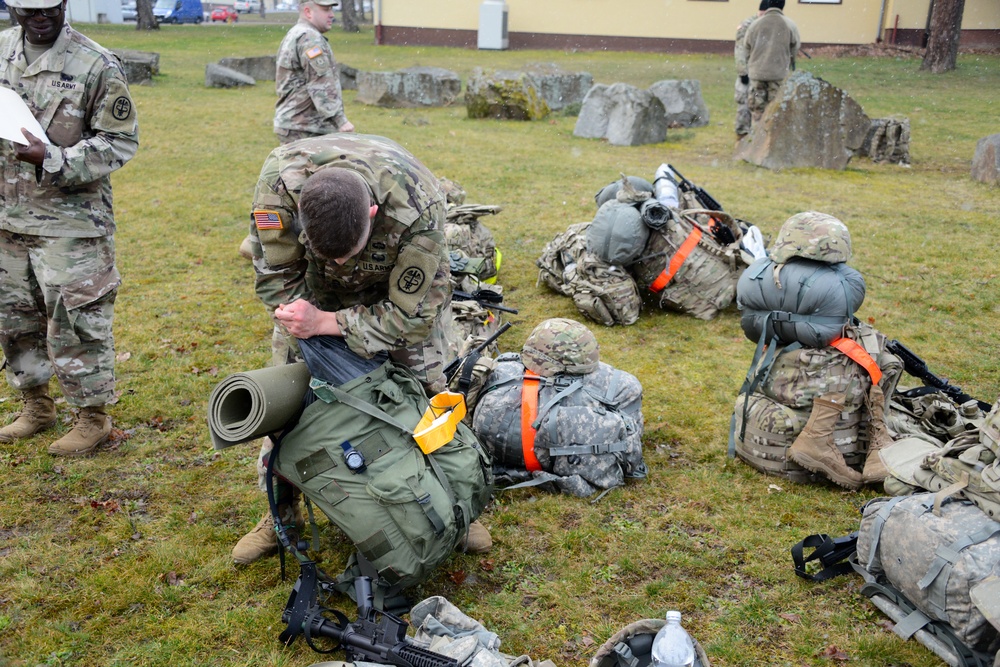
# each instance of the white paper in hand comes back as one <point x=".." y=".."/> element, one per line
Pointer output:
<point x="15" y="116"/>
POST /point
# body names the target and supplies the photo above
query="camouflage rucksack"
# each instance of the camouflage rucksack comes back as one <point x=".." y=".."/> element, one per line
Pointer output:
<point x="685" y="268"/>
<point x="471" y="245"/>
<point x="771" y="412"/>
<point x="603" y="292"/>
<point x="555" y="413"/>
<point x="937" y="563"/>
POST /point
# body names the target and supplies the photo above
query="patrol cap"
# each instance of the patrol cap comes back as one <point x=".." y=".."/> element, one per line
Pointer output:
<point x="560" y="345"/>
<point x="321" y="3"/>
<point x="812" y="235"/>
<point x="34" y="4"/>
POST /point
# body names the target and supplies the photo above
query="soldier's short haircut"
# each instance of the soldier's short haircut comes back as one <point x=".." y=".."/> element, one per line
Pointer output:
<point x="334" y="210"/>
<point x="776" y="4"/>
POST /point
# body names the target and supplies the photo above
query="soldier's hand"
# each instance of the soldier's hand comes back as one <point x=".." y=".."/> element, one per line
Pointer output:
<point x="347" y="127"/>
<point x="304" y="320"/>
<point x="33" y="153"/>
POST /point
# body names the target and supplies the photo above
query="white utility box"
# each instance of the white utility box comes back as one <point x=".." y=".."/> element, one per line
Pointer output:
<point x="493" y="25"/>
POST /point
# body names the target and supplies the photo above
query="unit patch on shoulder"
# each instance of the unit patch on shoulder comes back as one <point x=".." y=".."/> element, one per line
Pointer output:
<point x="314" y="52"/>
<point x="267" y="220"/>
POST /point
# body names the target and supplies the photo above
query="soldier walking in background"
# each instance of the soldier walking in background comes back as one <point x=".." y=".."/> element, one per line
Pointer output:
<point x="771" y="44"/>
<point x="742" y="74"/>
<point x="58" y="279"/>
<point x="374" y="268"/>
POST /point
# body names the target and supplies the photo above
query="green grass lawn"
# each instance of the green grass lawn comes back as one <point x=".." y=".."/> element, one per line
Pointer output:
<point x="123" y="559"/>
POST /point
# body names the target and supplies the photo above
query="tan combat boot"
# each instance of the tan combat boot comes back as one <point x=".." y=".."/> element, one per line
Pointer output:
<point x="263" y="539"/>
<point x="477" y="541"/>
<point x="38" y="414"/>
<point x="92" y="427"/>
<point x="875" y="471"/>
<point x="814" y="448"/>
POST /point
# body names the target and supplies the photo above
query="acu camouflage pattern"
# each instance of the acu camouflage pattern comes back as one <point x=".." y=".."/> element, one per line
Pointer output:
<point x="605" y="293"/>
<point x="812" y="235"/>
<point x="366" y="292"/>
<point x="560" y="346"/>
<point x="706" y="281"/>
<point x="78" y="92"/>
<point x="931" y="415"/>
<point x="78" y="284"/>
<point x="589" y="427"/>
<point x="309" y="94"/>
<point x="936" y="554"/>
<point x="779" y="407"/>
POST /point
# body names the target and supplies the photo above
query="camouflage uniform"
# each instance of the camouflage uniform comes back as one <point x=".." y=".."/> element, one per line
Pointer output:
<point x="57" y="251"/>
<point x="771" y="43"/>
<point x="378" y="305"/>
<point x="740" y="97"/>
<point x="307" y="80"/>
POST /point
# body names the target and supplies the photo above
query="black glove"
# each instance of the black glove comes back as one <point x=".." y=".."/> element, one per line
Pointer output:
<point x="744" y="79"/>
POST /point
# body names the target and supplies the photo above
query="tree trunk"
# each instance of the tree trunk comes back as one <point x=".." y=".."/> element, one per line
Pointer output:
<point x="144" y="19"/>
<point x="347" y="13"/>
<point x="263" y="10"/>
<point x="946" y="28"/>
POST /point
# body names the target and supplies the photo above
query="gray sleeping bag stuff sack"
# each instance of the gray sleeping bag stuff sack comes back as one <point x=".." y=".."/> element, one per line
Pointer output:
<point x="584" y="432"/>
<point x="937" y="563"/>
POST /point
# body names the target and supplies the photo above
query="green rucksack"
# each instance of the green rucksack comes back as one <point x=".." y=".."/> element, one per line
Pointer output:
<point x="405" y="511"/>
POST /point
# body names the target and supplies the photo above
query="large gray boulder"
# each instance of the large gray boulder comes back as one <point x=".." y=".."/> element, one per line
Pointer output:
<point x="888" y="140"/>
<point x="559" y="88"/>
<point x="140" y="66"/>
<point x="260" y="68"/>
<point x="411" y="87"/>
<point x="810" y="124"/>
<point x="986" y="162"/>
<point x="622" y="114"/>
<point x="348" y="76"/>
<point x="217" y="76"/>
<point x="504" y="95"/>
<point x="682" y="102"/>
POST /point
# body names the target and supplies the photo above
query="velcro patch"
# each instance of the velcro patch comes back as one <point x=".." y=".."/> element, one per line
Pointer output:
<point x="267" y="220"/>
<point x="314" y="52"/>
<point x="412" y="277"/>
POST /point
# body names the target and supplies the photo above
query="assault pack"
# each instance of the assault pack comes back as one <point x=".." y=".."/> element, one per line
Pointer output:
<point x="556" y="414"/>
<point x="353" y="453"/>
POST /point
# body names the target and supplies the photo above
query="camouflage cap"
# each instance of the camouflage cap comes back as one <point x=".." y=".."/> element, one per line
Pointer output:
<point x="560" y="345"/>
<point x="33" y="4"/>
<point x="812" y="235"/>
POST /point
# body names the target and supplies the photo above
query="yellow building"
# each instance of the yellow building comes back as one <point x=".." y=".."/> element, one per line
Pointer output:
<point x="663" y="25"/>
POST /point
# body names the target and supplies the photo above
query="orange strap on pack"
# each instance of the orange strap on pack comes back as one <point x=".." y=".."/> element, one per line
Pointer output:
<point x="529" y="412"/>
<point x="676" y="261"/>
<point x="859" y="355"/>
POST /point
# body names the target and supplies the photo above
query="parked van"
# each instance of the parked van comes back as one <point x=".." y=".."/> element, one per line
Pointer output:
<point x="178" y="11"/>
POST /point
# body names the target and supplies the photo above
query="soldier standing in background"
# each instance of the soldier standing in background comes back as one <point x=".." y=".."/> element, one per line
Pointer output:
<point x="310" y="101"/>
<point x="771" y="43"/>
<point x="58" y="279"/>
<point x="742" y="74"/>
<point x="307" y="80"/>
<point x="348" y="240"/>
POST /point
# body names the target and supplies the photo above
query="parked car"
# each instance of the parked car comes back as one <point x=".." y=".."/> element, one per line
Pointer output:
<point x="224" y="13"/>
<point x="129" y="13"/>
<point x="178" y="11"/>
<point x="247" y="6"/>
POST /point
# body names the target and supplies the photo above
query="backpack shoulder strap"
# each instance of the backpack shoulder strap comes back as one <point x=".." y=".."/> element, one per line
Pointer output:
<point x="859" y="355"/>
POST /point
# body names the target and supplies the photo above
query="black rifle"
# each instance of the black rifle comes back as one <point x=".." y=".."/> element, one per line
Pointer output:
<point x="475" y="352"/>
<point x="917" y="367"/>
<point x="485" y="298"/>
<point x="705" y="199"/>
<point x="376" y="636"/>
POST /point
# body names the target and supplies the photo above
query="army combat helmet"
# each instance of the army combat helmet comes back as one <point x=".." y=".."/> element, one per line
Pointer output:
<point x="632" y="646"/>
<point x="560" y="345"/>
<point x="812" y="235"/>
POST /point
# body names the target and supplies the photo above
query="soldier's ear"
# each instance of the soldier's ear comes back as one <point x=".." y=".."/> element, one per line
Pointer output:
<point x="372" y="211"/>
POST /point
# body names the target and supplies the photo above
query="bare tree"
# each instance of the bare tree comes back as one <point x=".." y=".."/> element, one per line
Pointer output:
<point x="263" y="10"/>
<point x="349" y="16"/>
<point x="945" y="31"/>
<point x="144" y="19"/>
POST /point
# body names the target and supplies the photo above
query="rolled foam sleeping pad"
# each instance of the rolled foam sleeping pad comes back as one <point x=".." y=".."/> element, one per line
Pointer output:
<point x="250" y="405"/>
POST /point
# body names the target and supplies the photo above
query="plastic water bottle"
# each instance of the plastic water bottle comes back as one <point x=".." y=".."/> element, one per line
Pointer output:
<point x="665" y="186"/>
<point x="673" y="646"/>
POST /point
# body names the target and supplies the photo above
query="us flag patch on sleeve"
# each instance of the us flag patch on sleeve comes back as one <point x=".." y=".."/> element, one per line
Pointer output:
<point x="267" y="220"/>
<point x="313" y="52"/>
